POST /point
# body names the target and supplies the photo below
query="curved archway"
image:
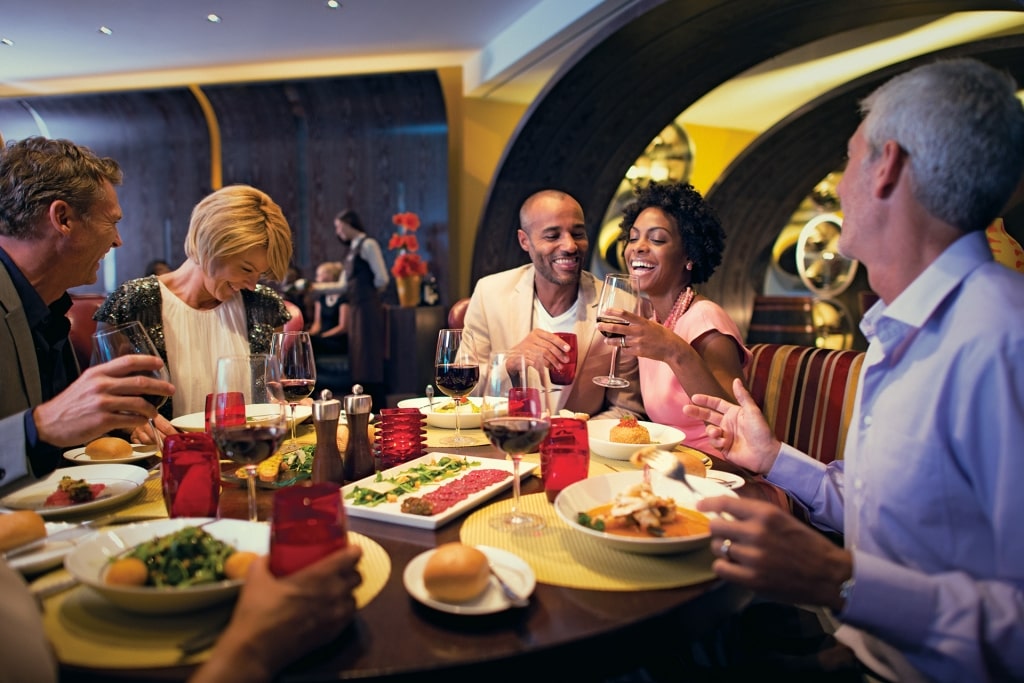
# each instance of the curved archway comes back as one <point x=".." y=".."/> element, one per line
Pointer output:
<point x="588" y="126"/>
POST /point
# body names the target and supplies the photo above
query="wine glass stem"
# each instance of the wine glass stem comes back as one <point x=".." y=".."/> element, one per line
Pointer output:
<point x="515" y="483"/>
<point x="458" y="433"/>
<point x="291" y="419"/>
<point x="156" y="437"/>
<point x="251" y="479"/>
<point x="615" y="361"/>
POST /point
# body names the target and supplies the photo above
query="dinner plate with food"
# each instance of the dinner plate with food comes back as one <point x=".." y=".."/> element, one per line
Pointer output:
<point x="79" y="489"/>
<point x="618" y="439"/>
<point x="279" y="470"/>
<point x="457" y="578"/>
<point x="440" y="411"/>
<point x="621" y="511"/>
<point x="218" y="552"/>
<point x="110" y="449"/>
<point x="431" y="490"/>
<point x="196" y="422"/>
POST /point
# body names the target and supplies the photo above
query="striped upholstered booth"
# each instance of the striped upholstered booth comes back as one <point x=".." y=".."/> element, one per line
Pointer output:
<point x="806" y="394"/>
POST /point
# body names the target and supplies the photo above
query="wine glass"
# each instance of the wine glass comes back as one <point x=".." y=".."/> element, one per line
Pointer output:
<point x="623" y="292"/>
<point x="298" y="369"/>
<point x="251" y="439"/>
<point x="455" y="374"/>
<point x="515" y="414"/>
<point x="131" y="338"/>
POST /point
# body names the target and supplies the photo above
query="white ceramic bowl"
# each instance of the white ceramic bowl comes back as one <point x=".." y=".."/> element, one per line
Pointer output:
<point x="445" y="420"/>
<point x="587" y="494"/>
<point x="662" y="436"/>
<point x="88" y="563"/>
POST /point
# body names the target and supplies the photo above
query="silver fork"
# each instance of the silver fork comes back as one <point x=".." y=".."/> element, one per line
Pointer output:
<point x="669" y="465"/>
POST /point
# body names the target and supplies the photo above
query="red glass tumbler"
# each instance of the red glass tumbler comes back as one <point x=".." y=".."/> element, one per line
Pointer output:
<point x="308" y="523"/>
<point x="190" y="475"/>
<point x="230" y="407"/>
<point x="564" y="374"/>
<point x="564" y="455"/>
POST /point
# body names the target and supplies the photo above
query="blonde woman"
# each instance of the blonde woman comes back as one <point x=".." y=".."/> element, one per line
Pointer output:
<point x="211" y="305"/>
<point x="329" y="330"/>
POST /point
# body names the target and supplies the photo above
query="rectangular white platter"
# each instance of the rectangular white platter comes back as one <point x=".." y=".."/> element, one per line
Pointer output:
<point x="392" y="512"/>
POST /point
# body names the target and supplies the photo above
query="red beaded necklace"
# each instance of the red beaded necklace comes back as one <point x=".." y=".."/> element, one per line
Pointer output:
<point x="682" y="305"/>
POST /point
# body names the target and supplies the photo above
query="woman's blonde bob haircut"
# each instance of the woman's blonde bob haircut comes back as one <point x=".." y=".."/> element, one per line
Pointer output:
<point x="233" y="220"/>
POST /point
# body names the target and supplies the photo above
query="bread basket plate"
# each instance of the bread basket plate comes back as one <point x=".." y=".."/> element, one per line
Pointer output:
<point x="51" y="553"/>
<point x="662" y="436"/>
<point x="516" y="573"/>
<point x="121" y="482"/>
<point x="140" y="451"/>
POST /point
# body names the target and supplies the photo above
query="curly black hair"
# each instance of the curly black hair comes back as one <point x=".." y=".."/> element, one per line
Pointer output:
<point x="697" y="222"/>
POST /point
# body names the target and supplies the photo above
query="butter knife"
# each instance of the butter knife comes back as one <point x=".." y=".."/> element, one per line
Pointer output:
<point x="514" y="598"/>
<point x="430" y="396"/>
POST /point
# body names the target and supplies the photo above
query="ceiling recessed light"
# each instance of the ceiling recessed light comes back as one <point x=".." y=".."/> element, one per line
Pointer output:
<point x="106" y="30"/>
<point x="7" y="41"/>
<point x="333" y="4"/>
<point x="213" y="18"/>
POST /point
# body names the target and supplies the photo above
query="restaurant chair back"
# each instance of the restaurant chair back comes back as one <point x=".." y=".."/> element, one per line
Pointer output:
<point x="83" y="306"/>
<point x="806" y="394"/>
<point x="457" y="314"/>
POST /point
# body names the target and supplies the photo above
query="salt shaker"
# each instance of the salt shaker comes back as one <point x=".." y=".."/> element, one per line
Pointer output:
<point x="327" y="464"/>
<point x="358" y="452"/>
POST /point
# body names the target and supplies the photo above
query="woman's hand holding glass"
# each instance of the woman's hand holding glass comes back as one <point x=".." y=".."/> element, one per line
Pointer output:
<point x="620" y="291"/>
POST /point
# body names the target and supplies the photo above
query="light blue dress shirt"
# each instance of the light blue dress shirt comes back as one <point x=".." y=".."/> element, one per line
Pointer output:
<point x="931" y="493"/>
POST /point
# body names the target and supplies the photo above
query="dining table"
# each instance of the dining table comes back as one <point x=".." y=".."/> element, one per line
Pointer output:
<point x="597" y="612"/>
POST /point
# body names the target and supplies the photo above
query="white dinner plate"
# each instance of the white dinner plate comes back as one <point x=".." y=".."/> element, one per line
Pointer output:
<point x="196" y="422"/>
<point x="50" y="554"/>
<point x="139" y="452"/>
<point x="726" y="479"/>
<point x="122" y="482"/>
<point x="468" y="419"/>
<point x="516" y="573"/>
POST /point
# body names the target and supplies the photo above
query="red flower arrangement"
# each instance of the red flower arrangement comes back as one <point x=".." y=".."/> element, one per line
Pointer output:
<point x="408" y="261"/>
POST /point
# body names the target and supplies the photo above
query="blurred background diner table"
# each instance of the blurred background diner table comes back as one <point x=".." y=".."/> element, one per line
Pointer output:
<point x="601" y="625"/>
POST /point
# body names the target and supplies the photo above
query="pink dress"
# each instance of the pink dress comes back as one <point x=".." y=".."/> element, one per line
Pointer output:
<point x="663" y="396"/>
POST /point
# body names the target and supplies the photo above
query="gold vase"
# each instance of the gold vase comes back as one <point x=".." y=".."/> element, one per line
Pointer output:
<point x="408" y="290"/>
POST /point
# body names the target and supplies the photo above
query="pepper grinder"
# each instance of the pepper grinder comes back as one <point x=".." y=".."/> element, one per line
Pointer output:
<point x="358" y="461"/>
<point x="327" y="464"/>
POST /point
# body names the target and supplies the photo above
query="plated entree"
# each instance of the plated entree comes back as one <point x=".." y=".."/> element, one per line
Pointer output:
<point x="638" y="511"/>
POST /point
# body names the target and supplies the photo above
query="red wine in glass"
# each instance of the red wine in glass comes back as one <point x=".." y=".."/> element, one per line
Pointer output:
<point x="456" y="380"/>
<point x="613" y="320"/>
<point x="297" y="389"/>
<point x="249" y="444"/>
<point x="515" y="435"/>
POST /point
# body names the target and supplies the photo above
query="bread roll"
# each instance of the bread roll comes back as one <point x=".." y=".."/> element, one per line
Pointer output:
<point x="18" y="528"/>
<point x="109" y="448"/>
<point x="371" y="432"/>
<point x="693" y="463"/>
<point x="456" y="573"/>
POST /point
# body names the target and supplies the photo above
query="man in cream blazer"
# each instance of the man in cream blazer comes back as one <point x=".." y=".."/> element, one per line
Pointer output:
<point x="520" y="309"/>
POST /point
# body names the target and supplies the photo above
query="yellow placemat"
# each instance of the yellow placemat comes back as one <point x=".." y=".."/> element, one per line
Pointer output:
<point x="562" y="557"/>
<point x="436" y="437"/>
<point x="88" y="631"/>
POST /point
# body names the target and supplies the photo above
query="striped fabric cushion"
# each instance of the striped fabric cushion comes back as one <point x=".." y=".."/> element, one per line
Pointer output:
<point x="806" y="394"/>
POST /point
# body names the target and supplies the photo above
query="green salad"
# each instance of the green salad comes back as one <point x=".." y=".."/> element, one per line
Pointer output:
<point x="388" y="490"/>
<point x="188" y="557"/>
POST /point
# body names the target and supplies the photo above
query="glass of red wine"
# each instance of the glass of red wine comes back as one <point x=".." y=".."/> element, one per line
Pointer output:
<point x="298" y="370"/>
<point x="515" y="414"/>
<point x="124" y="339"/>
<point x="456" y="374"/>
<point x="620" y="291"/>
<point x="252" y="440"/>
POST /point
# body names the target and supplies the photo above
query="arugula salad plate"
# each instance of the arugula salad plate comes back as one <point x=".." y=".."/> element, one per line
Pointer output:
<point x="448" y="474"/>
